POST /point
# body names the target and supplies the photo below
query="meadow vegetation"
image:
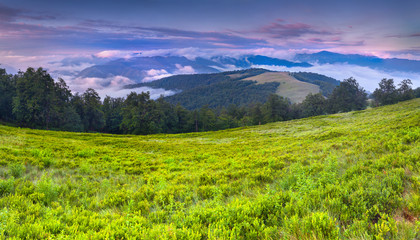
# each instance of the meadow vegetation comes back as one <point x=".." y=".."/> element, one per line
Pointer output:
<point x="351" y="175"/>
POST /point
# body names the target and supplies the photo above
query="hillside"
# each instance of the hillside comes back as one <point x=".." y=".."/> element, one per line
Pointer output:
<point x="350" y="176"/>
<point x="240" y="87"/>
<point x="289" y="87"/>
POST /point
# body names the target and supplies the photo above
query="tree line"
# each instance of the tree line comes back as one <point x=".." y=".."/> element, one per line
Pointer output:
<point x="33" y="99"/>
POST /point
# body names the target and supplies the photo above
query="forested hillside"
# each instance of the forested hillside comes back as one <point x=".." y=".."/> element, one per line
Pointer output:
<point x="219" y="90"/>
<point x="352" y="175"/>
<point x="34" y="99"/>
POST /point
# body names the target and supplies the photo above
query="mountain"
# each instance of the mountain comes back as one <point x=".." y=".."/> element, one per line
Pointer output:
<point x="241" y="87"/>
<point x="137" y="68"/>
<point x="386" y="64"/>
<point x="141" y="69"/>
<point x="254" y="60"/>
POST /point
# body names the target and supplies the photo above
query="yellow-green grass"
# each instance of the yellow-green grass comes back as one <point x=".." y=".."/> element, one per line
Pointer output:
<point x="289" y="87"/>
<point x="348" y="176"/>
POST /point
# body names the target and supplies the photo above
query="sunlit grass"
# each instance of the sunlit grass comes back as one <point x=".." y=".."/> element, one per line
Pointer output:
<point x="351" y="175"/>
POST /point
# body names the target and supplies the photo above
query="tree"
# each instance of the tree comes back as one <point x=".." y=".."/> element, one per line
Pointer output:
<point x="257" y="115"/>
<point x="35" y="95"/>
<point x="72" y="121"/>
<point x="63" y="115"/>
<point x="93" y="117"/>
<point x="7" y="93"/>
<point x="184" y="120"/>
<point x="112" y="109"/>
<point x="276" y="109"/>
<point x="348" y="96"/>
<point x="138" y="114"/>
<point x="207" y="119"/>
<point x="386" y="93"/>
<point x="405" y="91"/>
<point x="417" y="92"/>
<point x="313" y="105"/>
<point x="165" y="116"/>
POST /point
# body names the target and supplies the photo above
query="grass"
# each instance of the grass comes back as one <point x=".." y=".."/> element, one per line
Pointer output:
<point x="289" y="87"/>
<point x="346" y="176"/>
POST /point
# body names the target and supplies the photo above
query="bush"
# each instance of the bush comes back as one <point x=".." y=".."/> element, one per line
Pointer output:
<point x="7" y="186"/>
<point x="17" y="170"/>
<point x="48" y="191"/>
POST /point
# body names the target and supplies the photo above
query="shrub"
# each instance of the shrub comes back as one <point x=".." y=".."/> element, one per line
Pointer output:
<point x="48" y="191"/>
<point x="17" y="170"/>
<point x="7" y="186"/>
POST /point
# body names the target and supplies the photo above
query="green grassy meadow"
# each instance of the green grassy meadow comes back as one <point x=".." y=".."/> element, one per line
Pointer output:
<point x="353" y="175"/>
<point x="289" y="87"/>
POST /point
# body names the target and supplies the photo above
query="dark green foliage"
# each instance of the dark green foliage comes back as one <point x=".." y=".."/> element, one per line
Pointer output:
<point x="33" y="99"/>
<point x="214" y="90"/>
<point x="188" y="82"/>
<point x="72" y="121"/>
<point x="348" y="96"/>
<point x="387" y="93"/>
<point x="93" y="116"/>
<point x="64" y="114"/>
<point x="276" y="109"/>
<point x="7" y="93"/>
<point x="256" y="113"/>
<point x="40" y="102"/>
<point x="313" y="105"/>
<point x="33" y="103"/>
<point x="220" y="94"/>
<point x="112" y="109"/>
<point x="219" y="90"/>
<point x="417" y="92"/>
<point x="405" y="91"/>
<point x="326" y="84"/>
<point x="184" y="120"/>
<point x="139" y="114"/>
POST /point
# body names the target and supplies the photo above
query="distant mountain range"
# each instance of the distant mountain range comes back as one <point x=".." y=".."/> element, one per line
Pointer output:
<point x="240" y="87"/>
<point x="142" y="69"/>
<point x="386" y="64"/>
<point x="139" y="69"/>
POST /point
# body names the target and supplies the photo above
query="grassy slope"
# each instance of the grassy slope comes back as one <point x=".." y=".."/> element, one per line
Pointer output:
<point x="350" y="175"/>
<point x="289" y="87"/>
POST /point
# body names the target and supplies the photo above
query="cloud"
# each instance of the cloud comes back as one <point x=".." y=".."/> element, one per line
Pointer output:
<point x="281" y="29"/>
<point x="184" y="69"/>
<point x="112" y="86"/>
<point x="116" y="54"/>
<point x="367" y="77"/>
<point x="412" y="35"/>
<point x="194" y="52"/>
<point x="155" y="74"/>
<point x="81" y="84"/>
<point x="7" y="13"/>
<point x="155" y="93"/>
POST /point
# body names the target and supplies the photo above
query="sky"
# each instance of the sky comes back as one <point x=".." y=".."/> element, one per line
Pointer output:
<point x="44" y="32"/>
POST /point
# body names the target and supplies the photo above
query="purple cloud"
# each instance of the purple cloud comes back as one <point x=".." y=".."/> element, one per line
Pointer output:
<point x="405" y="35"/>
<point x="281" y="29"/>
<point x="8" y="14"/>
